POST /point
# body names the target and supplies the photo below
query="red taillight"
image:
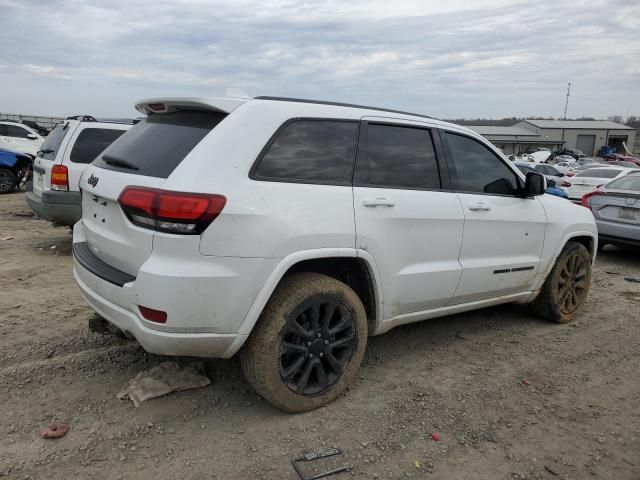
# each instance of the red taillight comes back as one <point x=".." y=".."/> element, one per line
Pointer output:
<point x="565" y="184"/>
<point x="59" y="178"/>
<point x="157" y="107"/>
<point x="586" y="199"/>
<point x="171" y="212"/>
<point x="157" y="316"/>
<point x="570" y="174"/>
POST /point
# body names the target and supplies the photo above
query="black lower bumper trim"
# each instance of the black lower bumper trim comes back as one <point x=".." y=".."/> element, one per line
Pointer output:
<point x="85" y="257"/>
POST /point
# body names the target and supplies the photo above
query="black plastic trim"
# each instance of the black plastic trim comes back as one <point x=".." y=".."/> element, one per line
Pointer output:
<point x="85" y="257"/>
<point x="339" y="104"/>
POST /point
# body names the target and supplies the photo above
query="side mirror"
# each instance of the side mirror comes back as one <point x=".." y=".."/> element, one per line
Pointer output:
<point x="535" y="184"/>
<point x="31" y="136"/>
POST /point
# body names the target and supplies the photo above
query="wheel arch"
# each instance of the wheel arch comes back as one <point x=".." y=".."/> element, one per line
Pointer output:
<point x="355" y="268"/>
<point x="588" y="241"/>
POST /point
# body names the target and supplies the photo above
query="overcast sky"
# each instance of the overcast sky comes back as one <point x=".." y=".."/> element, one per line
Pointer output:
<point x="453" y="58"/>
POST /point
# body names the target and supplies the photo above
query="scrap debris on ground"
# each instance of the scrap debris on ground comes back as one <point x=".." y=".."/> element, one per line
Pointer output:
<point x="162" y="379"/>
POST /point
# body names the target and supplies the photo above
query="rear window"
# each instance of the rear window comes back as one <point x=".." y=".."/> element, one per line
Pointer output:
<point x="91" y="142"/>
<point x="629" y="182"/>
<point x="599" y="173"/>
<point x="52" y="142"/>
<point x="156" y="146"/>
<point x="311" y="151"/>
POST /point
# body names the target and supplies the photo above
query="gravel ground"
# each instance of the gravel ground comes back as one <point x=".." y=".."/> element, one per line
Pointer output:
<point x="511" y="396"/>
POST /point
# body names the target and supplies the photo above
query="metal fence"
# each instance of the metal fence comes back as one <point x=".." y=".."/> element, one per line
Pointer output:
<point x="47" y="122"/>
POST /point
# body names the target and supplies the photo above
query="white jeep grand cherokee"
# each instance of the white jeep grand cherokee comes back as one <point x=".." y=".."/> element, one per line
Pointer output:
<point x="289" y="230"/>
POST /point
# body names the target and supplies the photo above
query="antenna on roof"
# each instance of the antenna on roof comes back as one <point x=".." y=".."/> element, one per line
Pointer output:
<point x="566" y="103"/>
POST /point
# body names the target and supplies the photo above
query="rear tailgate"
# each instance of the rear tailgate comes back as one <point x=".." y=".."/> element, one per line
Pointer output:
<point x="110" y="235"/>
<point x="144" y="156"/>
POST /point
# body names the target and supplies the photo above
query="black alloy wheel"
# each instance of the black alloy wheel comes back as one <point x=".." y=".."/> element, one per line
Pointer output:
<point x="318" y="342"/>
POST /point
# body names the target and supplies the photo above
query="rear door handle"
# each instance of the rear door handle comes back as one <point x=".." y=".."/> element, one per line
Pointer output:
<point x="378" y="202"/>
<point x="479" y="207"/>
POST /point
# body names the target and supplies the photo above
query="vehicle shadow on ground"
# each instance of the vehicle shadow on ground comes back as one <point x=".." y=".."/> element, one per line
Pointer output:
<point x="623" y="256"/>
<point x="419" y="339"/>
<point x="58" y="244"/>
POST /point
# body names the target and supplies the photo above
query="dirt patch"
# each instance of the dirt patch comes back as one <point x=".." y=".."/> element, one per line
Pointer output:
<point x="576" y="416"/>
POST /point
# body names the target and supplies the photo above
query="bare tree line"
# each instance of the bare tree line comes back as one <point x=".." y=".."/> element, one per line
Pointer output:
<point x="631" y="121"/>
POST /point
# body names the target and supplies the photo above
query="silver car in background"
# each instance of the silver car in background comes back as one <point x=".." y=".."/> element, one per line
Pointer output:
<point x="616" y="207"/>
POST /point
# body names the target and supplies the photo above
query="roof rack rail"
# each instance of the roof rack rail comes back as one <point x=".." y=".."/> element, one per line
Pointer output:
<point x="338" y="104"/>
<point x="82" y="118"/>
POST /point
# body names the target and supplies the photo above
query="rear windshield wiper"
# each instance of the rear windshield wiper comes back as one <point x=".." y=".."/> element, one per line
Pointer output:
<point x="118" y="162"/>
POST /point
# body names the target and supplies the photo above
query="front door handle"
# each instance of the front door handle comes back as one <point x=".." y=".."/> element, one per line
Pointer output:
<point x="378" y="202"/>
<point x="479" y="207"/>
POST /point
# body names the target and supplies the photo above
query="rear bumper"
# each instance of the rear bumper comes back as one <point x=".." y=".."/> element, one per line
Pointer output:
<point x="64" y="208"/>
<point x="206" y="345"/>
<point x="206" y="298"/>
<point x="618" y="232"/>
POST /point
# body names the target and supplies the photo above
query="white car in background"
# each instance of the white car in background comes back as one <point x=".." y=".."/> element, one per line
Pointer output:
<point x="536" y="157"/>
<point x="65" y="154"/>
<point x="20" y="138"/>
<point x="587" y="180"/>
<point x="566" y="167"/>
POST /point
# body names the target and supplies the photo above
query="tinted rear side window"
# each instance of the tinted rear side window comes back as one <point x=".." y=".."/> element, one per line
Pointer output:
<point x="52" y="142"/>
<point x="91" y="142"/>
<point x="156" y="146"/>
<point x="311" y="151"/>
<point x="398" y="157"/>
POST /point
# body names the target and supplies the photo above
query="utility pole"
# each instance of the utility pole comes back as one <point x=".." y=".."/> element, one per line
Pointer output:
<point x="566" y="103"/>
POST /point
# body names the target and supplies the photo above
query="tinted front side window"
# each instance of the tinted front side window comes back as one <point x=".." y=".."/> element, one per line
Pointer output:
<point x="399" y="157"/>
<point x="158" y="144"/>
<point x="53" y="141"/>
<point x="478" y="169"/>
<point x="91" y="142"/>
<point x="313" y="151"/>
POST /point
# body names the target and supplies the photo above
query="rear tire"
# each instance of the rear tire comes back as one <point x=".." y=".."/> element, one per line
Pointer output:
<point x="566" y="288"/>
<point x="308" y="343"/>
<point x="8" y="181"/>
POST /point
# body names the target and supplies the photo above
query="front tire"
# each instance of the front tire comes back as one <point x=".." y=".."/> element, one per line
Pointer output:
<point x="308" y="343"/>
<point x="566" y="288"/>
<point x="8" y="181"/>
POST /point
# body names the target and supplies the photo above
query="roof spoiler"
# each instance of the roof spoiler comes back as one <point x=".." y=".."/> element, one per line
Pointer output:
<point x="173" y="104"/>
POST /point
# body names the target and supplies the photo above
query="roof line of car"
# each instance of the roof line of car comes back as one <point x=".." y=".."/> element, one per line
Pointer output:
<point x="340" y="104"/>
